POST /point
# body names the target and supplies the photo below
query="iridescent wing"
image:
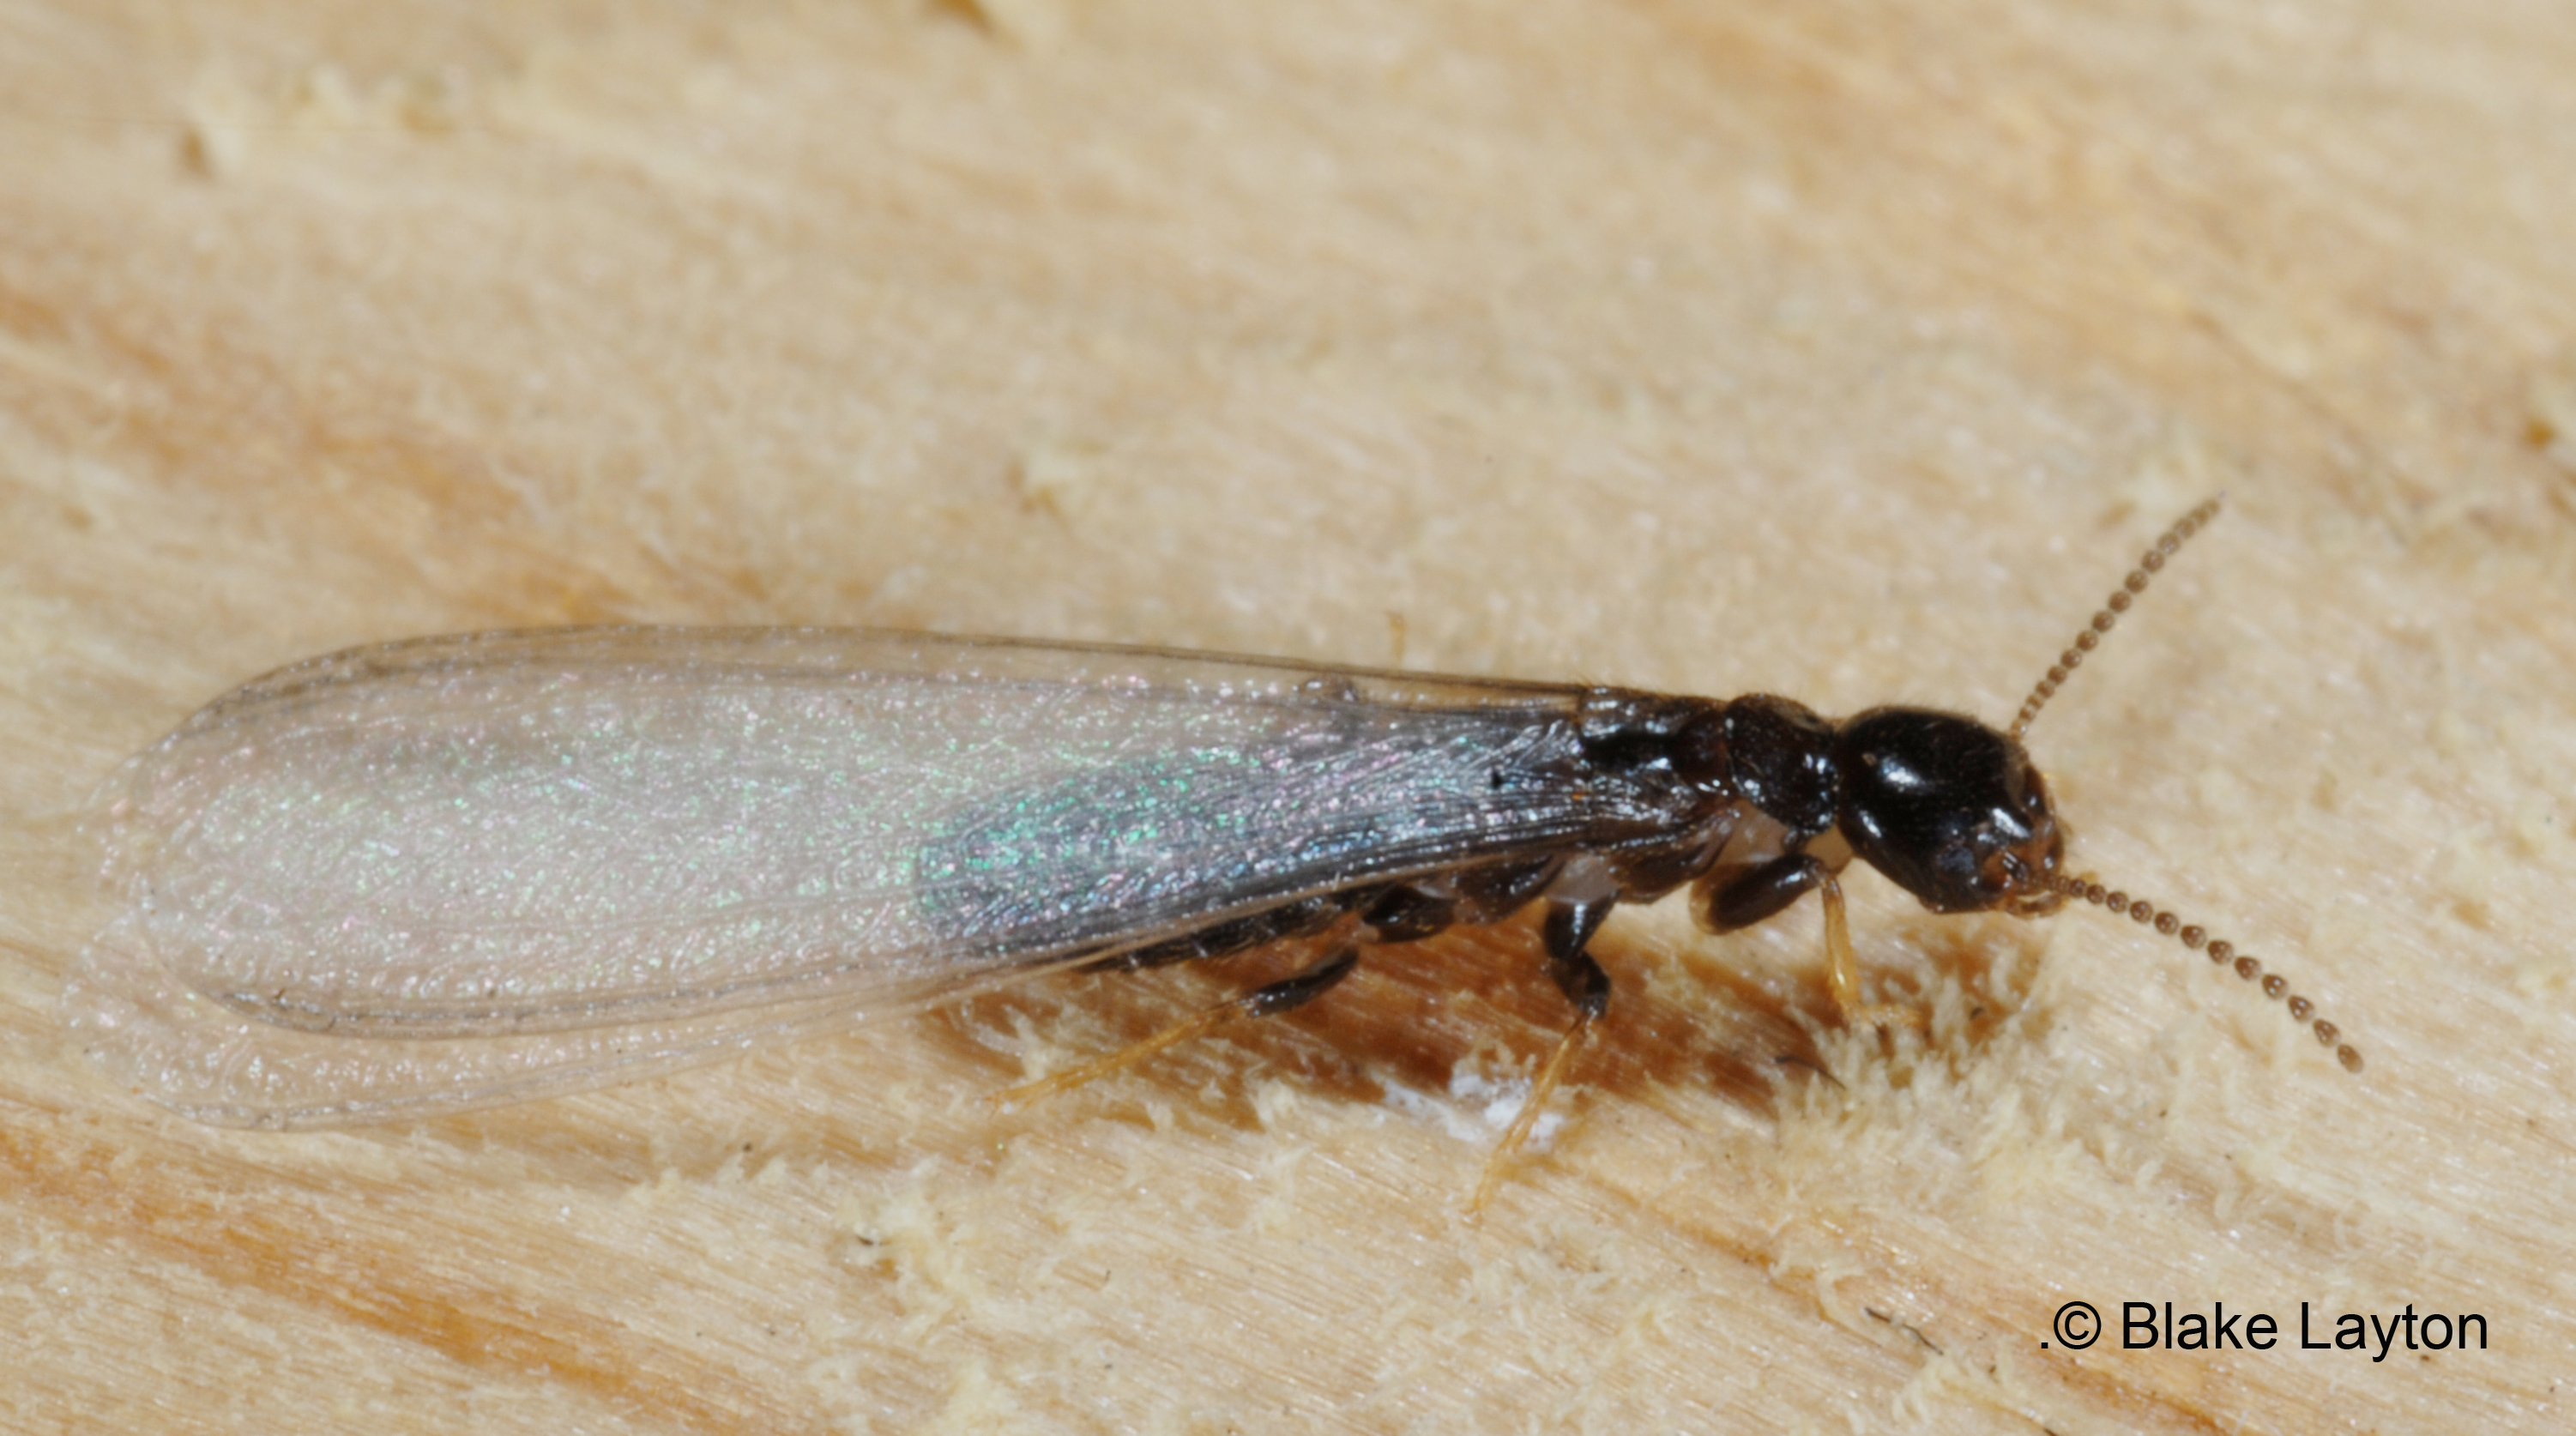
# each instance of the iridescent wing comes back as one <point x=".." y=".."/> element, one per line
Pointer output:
<point x="456" y="872"/>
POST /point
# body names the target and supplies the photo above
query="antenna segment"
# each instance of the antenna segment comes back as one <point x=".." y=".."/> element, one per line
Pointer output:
<point x="2170" y="542"/>
<point x="2220" y="952"/>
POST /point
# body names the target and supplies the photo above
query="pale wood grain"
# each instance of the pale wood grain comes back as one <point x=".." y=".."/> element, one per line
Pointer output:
<point x="1843" y="350"/>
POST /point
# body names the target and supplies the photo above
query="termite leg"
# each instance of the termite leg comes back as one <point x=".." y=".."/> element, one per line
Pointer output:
<point x="1747" y="899"/>
<point x="1568" y="928"/>
<point x="1842" y="970"/>
<point x="1285" y="995"/>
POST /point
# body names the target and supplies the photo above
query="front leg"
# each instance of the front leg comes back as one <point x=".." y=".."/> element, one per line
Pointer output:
<point x="1761" y="892"/>
<point x="1754" y="894"/>
<point x="1842" y="971"/>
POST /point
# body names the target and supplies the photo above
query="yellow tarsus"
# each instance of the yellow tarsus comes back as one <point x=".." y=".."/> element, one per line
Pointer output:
<point x="1127" y="1056"/>
<point x="1549" y="1077"/>
<point x="1842" y="970"/>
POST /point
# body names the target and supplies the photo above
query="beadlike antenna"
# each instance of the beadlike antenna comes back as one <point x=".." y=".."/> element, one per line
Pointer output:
<point x="2220" y="952"/>
<point x="2191" y="935"/>
<point x="2118" y="603"/>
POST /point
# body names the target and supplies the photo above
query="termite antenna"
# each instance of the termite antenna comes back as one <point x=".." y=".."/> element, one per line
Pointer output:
<point x="2221" y="952"/>
<point x="2118" y="603"/>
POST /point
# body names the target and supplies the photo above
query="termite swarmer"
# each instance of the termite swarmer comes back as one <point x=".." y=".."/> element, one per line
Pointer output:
<point x="455" y="872"/>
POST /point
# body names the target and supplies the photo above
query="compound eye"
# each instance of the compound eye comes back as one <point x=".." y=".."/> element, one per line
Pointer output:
<point x="2034" y="796"/>
<point x="2001" y="870"/>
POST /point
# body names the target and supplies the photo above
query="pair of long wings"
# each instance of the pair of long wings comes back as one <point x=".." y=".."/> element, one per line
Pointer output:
<point x="456" y="872"/>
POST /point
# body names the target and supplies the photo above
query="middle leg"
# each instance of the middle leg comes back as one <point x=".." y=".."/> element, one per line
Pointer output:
<point x="1566" y="934"/>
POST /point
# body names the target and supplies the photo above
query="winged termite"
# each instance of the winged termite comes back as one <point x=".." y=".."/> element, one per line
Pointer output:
<point x="455" y="872"/>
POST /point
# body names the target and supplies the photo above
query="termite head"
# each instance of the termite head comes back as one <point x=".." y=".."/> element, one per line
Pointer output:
<point x="1949" y="808"/>
<point x="1952" y="809"/>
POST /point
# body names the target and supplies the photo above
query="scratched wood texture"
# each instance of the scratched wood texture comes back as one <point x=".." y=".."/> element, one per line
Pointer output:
<point x="1848" y="350"/>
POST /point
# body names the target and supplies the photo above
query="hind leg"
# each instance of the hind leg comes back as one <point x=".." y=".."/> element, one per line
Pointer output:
<point x="1341" y="957"/>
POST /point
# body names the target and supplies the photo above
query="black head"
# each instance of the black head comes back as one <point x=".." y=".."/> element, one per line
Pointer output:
<point x="1949" y="808"/>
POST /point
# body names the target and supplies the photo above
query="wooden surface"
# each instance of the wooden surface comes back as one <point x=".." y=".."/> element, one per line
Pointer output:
<point x="1844" y="350"/>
